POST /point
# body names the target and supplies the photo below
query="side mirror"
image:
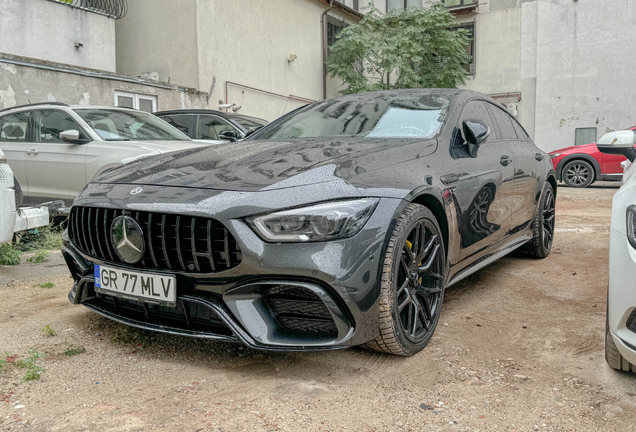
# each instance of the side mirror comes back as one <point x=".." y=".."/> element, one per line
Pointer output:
<point x="618" y="143"/>
<point x="229" y="135"/>
<point x="475" y="133"/>
<point x="72" y="136"/>
<point x="69" y="135"/>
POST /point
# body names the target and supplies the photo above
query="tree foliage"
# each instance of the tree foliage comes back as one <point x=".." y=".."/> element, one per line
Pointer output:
<point x="406" y="48"/>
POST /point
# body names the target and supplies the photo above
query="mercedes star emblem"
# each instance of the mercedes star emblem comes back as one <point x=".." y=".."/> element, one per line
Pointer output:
<point x="128" y="239"/>
<point x="137" y="191"/>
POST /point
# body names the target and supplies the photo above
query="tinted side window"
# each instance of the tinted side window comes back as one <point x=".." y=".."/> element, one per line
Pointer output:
<point x="477" y="110"/>
<point x="50" y="123"/>
<point x="14" y="127"/>
<point x="502" y="118"/>
<point x="181" y="122"/>
<point x="211" y="126"/>
<point x="521" y="134"/>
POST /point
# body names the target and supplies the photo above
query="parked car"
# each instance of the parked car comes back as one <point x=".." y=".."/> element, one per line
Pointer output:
<point x="339" y="224"/>
<point x="582" y="165"/>
<point x="620" y="330"/>
<point x="214" y="126"/>
<point x="55" y="149"/>
<point x="12" y="220"/>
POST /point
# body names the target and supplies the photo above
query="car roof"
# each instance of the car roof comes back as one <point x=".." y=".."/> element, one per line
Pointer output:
<point x="64" y="105"/>
<point x="192" y="111"/>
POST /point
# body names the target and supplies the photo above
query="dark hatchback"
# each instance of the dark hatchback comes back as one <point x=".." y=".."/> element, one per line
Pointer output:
<point x="339" y="224"/>
<point x="203" y="124"/>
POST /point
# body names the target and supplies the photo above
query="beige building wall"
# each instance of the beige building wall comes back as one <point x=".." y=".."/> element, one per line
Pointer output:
<point x="159" y="36"/>
<point x="49" y="31"/>
<point x="239" y="50"/>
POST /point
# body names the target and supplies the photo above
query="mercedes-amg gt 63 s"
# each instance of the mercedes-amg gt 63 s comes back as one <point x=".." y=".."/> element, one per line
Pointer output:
<point x="339" y="224"/>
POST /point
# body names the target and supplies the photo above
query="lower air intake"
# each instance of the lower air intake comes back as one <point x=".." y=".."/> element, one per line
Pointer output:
<point x="300" y="309"/>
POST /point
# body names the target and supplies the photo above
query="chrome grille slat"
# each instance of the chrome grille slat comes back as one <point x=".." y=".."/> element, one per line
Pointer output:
<point x="173" y="242"/>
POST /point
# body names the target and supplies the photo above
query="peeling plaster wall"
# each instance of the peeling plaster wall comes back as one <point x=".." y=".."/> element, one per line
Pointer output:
<point x="20" y="85"/>
<point x="48" y="31"/>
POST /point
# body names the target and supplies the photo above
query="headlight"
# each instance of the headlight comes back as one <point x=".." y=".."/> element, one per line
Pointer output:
<point x="631" y="225"/>
<point x="320" y="222"/>
<point x="555" y="155"/>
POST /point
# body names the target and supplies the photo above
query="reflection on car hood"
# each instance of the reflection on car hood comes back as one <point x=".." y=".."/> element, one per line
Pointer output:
<point x="257" y="165"/>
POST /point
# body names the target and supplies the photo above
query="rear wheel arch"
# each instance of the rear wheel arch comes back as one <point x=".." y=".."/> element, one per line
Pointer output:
<point x="589" y="159"/>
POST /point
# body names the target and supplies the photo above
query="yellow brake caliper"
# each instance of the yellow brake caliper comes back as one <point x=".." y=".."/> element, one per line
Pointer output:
<point x="410" y="245"/>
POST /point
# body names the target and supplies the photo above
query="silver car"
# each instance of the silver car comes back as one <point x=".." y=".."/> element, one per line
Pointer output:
<point x="55" y="149"/>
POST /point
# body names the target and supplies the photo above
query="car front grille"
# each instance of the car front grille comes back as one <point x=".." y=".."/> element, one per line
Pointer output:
<point x="300" y="309"/>
<point x="172" y="242"/>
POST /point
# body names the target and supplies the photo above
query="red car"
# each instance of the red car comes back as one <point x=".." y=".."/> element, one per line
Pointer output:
<point x="581" y="165"/>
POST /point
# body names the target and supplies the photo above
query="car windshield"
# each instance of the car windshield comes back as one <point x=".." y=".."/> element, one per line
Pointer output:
<point x="249" y="124"/>
<point x="378" y="117"/>
<point x="120" y="125"/>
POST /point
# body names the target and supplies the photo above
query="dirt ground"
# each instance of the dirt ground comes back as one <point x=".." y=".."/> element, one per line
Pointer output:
<point x="520" y="347"/>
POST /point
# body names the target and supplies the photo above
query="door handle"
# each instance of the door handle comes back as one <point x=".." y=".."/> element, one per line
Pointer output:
<point x="505" y="160"/>
<point x="449" y="178"/>
<point x="539" y="156"/>
<point x="32" y="151"/>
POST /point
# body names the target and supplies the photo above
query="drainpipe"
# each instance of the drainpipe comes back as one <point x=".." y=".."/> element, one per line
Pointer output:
<point x="323" y="22"/>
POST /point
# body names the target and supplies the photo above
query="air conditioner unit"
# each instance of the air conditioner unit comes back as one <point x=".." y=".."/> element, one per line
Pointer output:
<point x="512" y="108"/>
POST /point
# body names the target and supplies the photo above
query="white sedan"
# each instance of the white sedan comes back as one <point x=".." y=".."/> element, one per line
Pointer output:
<point x="54" y="149"/>
<point x="620" y="332"/>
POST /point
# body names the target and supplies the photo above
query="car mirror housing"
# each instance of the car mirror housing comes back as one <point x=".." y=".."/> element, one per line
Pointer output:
<point x="72" y="136"/>
<point x="475" y="133"/>
<point x="229" y="135"/>
<point x="618" y="143"/>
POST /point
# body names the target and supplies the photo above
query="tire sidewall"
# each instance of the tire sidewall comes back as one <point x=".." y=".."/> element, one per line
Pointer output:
<point x="402" y="231"/>
<point x="574" y="162"/>
<point x="542" y="243"/>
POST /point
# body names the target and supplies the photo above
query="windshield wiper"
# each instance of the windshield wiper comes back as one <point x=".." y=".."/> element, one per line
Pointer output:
<point x="116" y="139"/>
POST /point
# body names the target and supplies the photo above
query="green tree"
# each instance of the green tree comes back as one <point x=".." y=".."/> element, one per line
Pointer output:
<point x="414" y="47"/>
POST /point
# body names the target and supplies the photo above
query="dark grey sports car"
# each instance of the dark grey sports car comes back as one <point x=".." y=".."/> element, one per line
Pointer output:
<point x="339" y="224"/>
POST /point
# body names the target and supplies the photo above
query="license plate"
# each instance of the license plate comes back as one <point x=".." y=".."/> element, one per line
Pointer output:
<point x="134" y="285"/>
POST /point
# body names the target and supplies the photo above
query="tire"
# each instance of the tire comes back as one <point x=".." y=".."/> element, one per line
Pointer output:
<point x="613" y="357"/>
<point x="19" y="196"/>
<point x="578" y="174"/>
<point x="412" y="285"/>
<point x="543" y="225"/>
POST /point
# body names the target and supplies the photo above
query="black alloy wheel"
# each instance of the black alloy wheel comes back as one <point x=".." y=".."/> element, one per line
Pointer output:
<point x="578" y="174"/>
<point x="543" y="225"/>
<point x="549" y="213"/>
<point x="412" y="284"/>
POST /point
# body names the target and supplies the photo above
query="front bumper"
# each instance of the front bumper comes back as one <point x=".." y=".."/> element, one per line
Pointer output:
<point x="621" y="298"/>
<point x="341" y="277"/>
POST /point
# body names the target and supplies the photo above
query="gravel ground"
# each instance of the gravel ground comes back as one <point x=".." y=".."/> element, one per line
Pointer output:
<point x="519" y="348"/>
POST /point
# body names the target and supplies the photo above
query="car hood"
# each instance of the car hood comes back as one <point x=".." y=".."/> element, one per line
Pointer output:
<point x="584" y="148"/>
<point x="259" y="165"/>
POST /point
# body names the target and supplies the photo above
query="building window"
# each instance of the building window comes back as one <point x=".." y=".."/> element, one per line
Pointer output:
<point x="470" y="47"/>
<point x="334" y="26"/>
<point x="356" y="5"/>
<point x="451" y="3"/>
<point x="401" y="4"/>
<point x="584" y="136"/>
<point x="147" y="103"/>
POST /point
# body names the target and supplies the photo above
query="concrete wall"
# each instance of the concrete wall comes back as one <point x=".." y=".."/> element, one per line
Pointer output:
<point x="159" y="36"/>
<point x="20" y="85"/>
<point x="584" y="72"/>
<point x="570" y="60"/>
<point x="46" y="30"/>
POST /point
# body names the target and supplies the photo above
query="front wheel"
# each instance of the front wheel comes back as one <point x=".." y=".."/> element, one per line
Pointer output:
<point x="412" y="286"/>
<point x="578" y="174"/>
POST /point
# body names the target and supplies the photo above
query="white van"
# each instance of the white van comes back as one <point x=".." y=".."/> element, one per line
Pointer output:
<point x="13" y="219"/>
